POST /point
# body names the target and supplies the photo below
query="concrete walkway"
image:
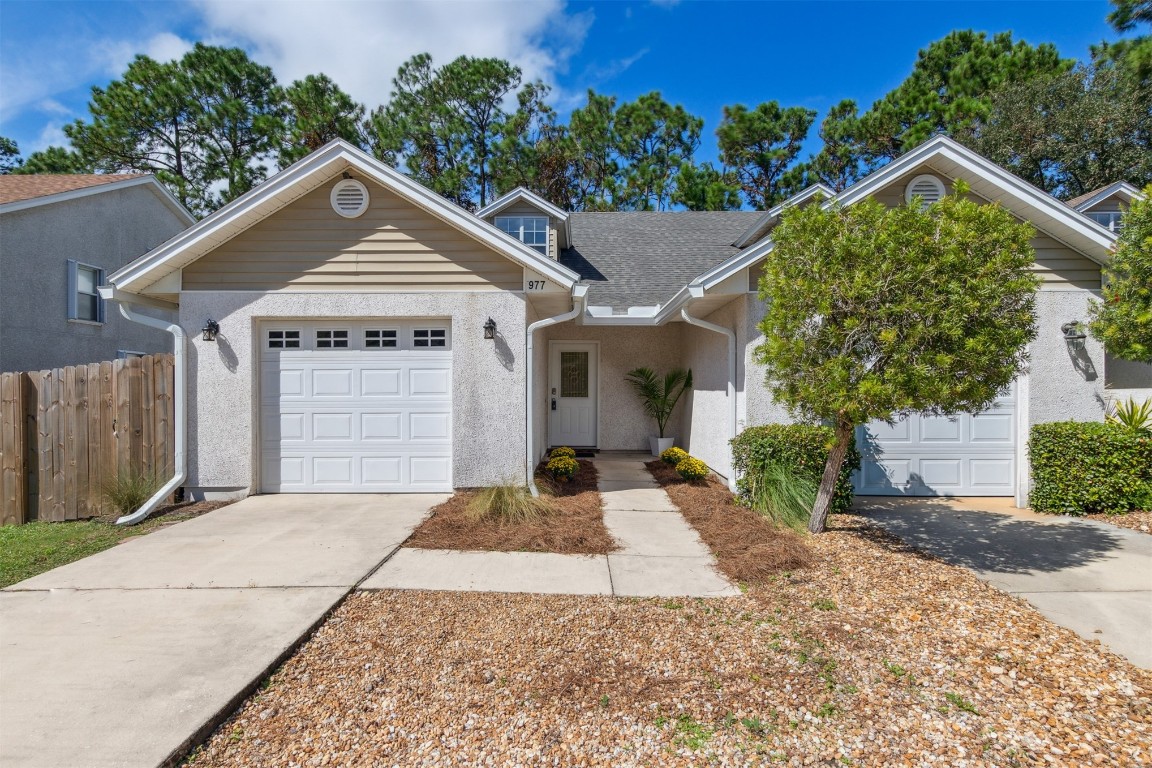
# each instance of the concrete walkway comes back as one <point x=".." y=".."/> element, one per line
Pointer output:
<point x="1094" y="578"/>
<point x="660" y="554"/>
<point x="124" y="658"/>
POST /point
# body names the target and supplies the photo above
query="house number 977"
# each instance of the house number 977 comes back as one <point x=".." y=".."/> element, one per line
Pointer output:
<point x="535" y="285"/>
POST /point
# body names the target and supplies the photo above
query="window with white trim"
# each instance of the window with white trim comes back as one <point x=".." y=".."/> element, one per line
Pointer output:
<point x="1110" y="220"/>
<point x="284" y="339"/>
<point x="332" y="339"/>
<point x="430" y="337"/>
<point x="84" y="302"/>
<point x="380" y="338"/>
<point x="530" y="230"/>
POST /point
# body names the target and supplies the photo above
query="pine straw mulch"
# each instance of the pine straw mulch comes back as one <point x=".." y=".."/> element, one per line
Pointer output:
<point x="749" y="549"/>
<point x="576" y="528"/>
<point x="1133" y="521"/>
<point x="873" y="656"/>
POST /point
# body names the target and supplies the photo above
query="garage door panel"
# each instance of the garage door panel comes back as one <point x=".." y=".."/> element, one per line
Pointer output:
<point x="952" y="455"/>
<point x="357" y="419"/>
<point x="381" y="382"/>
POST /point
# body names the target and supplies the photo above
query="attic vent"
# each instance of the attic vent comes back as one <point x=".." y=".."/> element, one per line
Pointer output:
<point x="927" y="187"/>
<point x="349" y="198"/>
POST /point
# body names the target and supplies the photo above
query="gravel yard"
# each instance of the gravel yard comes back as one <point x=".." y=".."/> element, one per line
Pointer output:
<point x="1135" y="521"/>
<point x="873" y="656"/>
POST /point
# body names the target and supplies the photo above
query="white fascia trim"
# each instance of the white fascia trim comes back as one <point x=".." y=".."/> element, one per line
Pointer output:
<point x="97" y="189"/>
<point x="938" y="146"/>
<point x="750" y="234"/>
<point x="1122" y="188"/>
<point x="336" y="151"/>
<point x="517" y="195"/>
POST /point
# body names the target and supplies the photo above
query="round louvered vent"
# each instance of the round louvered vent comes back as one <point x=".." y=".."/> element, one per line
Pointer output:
<point x="927" y="187"/>
<point x="349" y="198"/>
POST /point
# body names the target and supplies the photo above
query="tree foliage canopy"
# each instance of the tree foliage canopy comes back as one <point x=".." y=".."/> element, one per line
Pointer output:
<point x="1123" y="320"/>
<point x="760" y="146"/>
<point x="875" y="312"/>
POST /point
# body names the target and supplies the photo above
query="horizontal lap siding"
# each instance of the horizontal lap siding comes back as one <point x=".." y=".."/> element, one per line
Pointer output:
<point x="393" y="246"/>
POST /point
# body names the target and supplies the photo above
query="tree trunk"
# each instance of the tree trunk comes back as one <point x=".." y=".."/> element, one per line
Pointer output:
<point x="827" y="490"/>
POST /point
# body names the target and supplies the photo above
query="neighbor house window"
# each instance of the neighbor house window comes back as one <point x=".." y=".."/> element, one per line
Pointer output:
<point x="530" y="230"/>
<point x="1110" y="220"/>
<point x="84" y="303"/>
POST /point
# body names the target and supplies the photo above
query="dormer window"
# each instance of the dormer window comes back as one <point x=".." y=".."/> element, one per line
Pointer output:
<point x="530" y="230"/>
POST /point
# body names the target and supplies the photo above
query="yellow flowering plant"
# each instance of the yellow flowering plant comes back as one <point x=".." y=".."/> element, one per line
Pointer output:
<point x="692" y="469"/>
<point x="674" y="455"/>
<point x="562" y="467"/>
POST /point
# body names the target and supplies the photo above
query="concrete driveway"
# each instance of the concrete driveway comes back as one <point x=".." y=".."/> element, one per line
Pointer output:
<point x="126" y="657"/>
<point x="1094" y="578"/>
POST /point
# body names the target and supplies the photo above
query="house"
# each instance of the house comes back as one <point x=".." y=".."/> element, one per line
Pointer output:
<point x="60" y="236"/>
<point x="351" y="331"/>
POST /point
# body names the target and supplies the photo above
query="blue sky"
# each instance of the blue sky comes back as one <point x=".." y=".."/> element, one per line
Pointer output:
<point x="701" y="54"/>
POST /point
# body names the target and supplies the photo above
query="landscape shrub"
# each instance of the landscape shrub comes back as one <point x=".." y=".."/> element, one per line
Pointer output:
<point x="1084" y="467"/>
<point x="508" y="503"/>
<point x="692" y="469"/>
<point x="562" y="467"/>
<point x="674" y="455"/>
<point x="799" y="448"/>
<point x="562" y="450"/>
<point x="128" y="491"/>
<point x="784" y="496"/>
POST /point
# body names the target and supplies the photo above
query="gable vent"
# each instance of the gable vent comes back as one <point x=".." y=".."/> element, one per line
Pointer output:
<point x="927" y="187"/>
<point x="349" y="198"/>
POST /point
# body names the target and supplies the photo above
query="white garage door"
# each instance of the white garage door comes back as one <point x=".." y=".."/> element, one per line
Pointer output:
<point x="959" y="455"/>
<point x="356" y="407"/>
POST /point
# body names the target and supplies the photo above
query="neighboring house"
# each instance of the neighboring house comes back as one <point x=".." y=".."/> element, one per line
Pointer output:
<point x="375" y="337"/>
<point x="60" y="236"/>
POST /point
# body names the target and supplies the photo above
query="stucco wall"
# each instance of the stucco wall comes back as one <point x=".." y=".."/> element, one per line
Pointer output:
<point x="1065" y="382"/>
<point x="487" y="380"/>
<point x="623" y="424"/>
<point x="540" y="398"/>
<point x="760" y="407"/>
<point x="707" y="420"/>
<point x="105" y="230"/>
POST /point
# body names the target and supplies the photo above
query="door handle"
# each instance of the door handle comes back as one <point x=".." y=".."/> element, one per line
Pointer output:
<point x="553" y="403"/>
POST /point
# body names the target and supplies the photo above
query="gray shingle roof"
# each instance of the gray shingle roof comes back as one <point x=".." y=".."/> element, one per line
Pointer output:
<point x="644" y="258"/>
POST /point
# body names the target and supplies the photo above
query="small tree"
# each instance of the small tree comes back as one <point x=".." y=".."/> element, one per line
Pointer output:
<point x="877" y="313"/>
<point x="660" y="395"/>
<point x="1123" y="321"/>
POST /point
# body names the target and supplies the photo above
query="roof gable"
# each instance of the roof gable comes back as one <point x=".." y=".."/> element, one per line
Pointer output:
<point x="952" y="160"/>
<point x="298" y="180"/>
<point x="1121" y="189"/>
<point x="760" y="226"/>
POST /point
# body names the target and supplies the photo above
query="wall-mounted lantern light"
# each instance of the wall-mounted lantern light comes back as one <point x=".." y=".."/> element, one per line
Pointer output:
<point x="210" y="329"/>
<point x="1073" y="331"/>
<point x="490" y="329"/>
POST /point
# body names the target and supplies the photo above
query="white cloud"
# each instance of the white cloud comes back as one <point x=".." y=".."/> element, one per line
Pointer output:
<point x="53" y="107"/>
<point x="360" y="45"/>
<point x="51" y="135"/>
<point x="116" y="55"/>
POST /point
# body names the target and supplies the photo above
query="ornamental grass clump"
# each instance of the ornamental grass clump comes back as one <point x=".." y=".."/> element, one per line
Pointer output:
<point x="508" y="503"/>
<point x="783" y="496"/>
<point x="562" y="467"/>
<point x="692" y="469"/>
<point x="674" y="455"/>
<point x="128" y="491"/>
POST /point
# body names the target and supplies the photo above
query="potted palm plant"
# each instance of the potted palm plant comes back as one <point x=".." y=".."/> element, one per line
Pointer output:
<point x="660" y="395"/>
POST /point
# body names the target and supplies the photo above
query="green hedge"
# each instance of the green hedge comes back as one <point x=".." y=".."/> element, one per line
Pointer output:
<point x="1082" y="467"/>
<point x="801" y="447"/>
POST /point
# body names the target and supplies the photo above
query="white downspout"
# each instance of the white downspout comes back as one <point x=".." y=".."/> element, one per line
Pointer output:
<point x="179" y="415"/>
<point x="731" y="383"/>
<point x="579" y="292"/>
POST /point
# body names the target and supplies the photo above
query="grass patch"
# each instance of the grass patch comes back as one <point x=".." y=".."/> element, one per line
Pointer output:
<point x="33" y="548"/>
<point x="749" y="548"/>
<point x="784" y="497"/>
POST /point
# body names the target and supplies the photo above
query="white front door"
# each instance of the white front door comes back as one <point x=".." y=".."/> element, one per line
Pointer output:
<point x="572" y="393"/>
<point x="356" y="407"/>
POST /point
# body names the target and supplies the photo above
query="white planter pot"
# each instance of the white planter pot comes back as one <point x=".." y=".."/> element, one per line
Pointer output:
<point x="660" y="444"/>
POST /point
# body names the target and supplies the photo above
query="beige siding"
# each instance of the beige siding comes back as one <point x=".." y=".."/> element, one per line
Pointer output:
<point x="1107" y="205"/>
<point x="523" y="209"/>
<point x="1057" y="264"/>
<point x="393" y="246"/>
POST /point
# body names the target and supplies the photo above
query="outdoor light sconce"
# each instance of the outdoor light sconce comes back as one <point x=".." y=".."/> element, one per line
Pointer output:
<point x="1074" y="333"/>
<point x="210" y="329"/>
<point x="490" y="329"/>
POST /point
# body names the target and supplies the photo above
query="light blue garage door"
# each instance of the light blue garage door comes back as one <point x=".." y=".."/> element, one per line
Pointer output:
<point x="957" y="455"/>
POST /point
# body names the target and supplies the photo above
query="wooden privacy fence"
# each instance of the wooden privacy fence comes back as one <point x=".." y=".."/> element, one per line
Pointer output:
<point x="65" y="432"/>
